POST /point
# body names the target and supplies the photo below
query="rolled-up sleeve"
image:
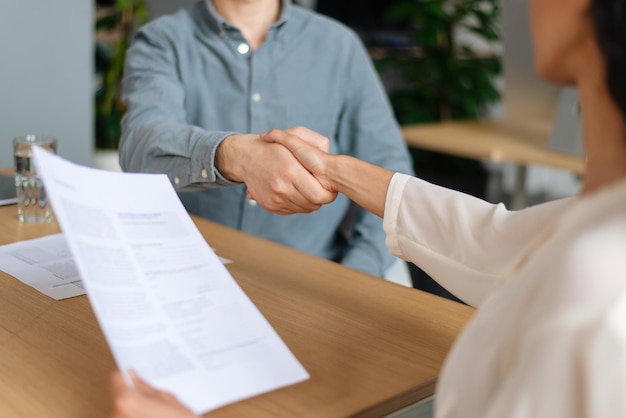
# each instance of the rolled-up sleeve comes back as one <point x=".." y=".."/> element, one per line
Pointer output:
<point x="156" y="136"/>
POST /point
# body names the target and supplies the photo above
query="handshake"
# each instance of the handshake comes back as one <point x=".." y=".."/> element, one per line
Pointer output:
<point x="285" y="171"/>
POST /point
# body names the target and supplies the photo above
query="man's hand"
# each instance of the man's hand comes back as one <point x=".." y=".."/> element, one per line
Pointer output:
<point x="364" y="183"/>
<point x="304" y="145"/>
<point x="144" y="401"/>
<point x="274" y="177"/>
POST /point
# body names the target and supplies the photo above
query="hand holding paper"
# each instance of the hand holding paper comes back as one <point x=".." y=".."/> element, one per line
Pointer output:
<point x="143" y="401"/>
<point x="167" y="306"/>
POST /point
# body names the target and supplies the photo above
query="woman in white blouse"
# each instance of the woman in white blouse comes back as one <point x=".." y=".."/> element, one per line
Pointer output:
<point x="549" y="336"/>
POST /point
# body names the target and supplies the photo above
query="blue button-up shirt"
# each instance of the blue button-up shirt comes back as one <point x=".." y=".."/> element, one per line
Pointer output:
<point x="191" y="80"/>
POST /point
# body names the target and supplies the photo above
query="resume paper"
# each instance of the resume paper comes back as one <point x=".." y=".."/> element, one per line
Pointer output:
<point x="165" y="302"/>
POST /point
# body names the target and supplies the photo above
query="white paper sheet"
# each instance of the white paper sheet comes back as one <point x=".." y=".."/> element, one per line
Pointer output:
<point x="45" y="264"/>
<point x="166" y="304"/>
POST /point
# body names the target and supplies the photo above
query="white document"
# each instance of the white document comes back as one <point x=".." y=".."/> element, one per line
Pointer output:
<point x="45" y="264"/>
<point x="166" y="304"/>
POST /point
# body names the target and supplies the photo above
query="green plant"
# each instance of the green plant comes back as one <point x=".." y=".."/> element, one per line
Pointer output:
<point x="114" y="28"/>
<point x="443" y="78"/>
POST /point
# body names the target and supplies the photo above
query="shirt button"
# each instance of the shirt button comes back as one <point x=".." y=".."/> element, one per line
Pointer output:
<point x="256" y="97"/>
<point x="243" y="48"/>
<point x="176" y="180"/>
<point x="204" y="173"/>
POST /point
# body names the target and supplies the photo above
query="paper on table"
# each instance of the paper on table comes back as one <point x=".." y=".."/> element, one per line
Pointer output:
<point x="45" y="264"/>
<point x="167" y="306"/>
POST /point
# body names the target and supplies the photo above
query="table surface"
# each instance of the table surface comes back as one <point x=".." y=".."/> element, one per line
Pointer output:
<point x="371" y="347"/>
<point x="493" y="140"/>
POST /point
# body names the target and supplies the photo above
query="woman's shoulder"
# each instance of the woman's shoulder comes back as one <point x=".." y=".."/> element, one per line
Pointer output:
<point x="597" y="221"/>
<point x="589" y="250"/>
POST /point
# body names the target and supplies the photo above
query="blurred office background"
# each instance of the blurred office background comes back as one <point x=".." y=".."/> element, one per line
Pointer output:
<point x="46" y="74"/>
<point x="47" y="77"/>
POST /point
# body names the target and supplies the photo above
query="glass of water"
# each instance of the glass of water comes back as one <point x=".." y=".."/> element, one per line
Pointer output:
<point x="32" y="201"/>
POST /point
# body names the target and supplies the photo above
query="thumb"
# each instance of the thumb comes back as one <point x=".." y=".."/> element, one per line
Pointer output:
<point x="318" y="140"/>
<point x="117" y="384"/>
<point x="289" y="141"/>
<point x="273" y="135"/>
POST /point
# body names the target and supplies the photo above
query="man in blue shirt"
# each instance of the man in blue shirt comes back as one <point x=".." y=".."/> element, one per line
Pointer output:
<point x="201" y="84"/>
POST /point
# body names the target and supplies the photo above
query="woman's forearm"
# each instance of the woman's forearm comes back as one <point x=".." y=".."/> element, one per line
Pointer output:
<point x="364" y="183"/>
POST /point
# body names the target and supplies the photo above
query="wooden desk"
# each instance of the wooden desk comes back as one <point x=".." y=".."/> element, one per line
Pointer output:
<point x="496" y="141"/>
<point x="371" y="347"/>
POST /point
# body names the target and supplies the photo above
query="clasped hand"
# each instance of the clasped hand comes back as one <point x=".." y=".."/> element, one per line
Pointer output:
<point x="282" y="169"/>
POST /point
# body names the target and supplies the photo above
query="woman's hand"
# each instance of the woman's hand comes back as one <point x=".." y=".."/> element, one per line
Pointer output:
<point x="144" y="401"/>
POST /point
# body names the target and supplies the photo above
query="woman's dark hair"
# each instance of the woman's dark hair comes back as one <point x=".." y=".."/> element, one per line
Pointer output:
<point x="609" y="20"/>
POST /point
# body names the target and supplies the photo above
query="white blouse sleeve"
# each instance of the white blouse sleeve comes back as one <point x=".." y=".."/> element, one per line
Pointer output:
<point x="463" y="242"/>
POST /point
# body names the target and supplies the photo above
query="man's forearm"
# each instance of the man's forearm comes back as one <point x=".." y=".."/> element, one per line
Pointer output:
<point x="230" y="156"/>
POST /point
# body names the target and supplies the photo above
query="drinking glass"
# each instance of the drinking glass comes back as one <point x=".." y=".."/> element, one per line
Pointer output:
<point x="32" y="200"/>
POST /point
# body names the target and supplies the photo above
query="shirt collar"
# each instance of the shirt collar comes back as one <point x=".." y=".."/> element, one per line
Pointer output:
<point x="218" y="23"/>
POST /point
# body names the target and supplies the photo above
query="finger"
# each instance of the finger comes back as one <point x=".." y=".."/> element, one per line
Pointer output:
<point x="289" y="202"/>
<point x="122" y="395"/>
<point x="284" y="138"/>
<point x="316" y="139"/>
<point x="117" y="384"/>
<point x="147" y="390"/>
<point x="275" y="135"/>
<point x="303" y="188"/>
<point x="289" y="141"/>
<point x="283" y="197"/>
<point x="308" y="183"/>
<point x="313" y="192"/>
<point x="141" y="385"/>
<point x="305" y="192"/>
<point x="283" y="203"/>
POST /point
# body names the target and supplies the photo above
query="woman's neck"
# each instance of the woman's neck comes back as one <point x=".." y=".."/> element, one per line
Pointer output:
<point x="604" y="131"/>
<point x="252" y="17"/>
